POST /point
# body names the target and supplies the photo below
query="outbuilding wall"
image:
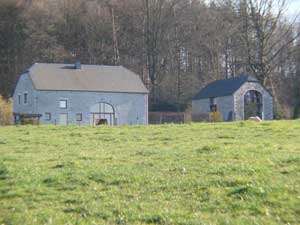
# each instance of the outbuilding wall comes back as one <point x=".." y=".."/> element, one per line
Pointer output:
<point x="225" y="106"/>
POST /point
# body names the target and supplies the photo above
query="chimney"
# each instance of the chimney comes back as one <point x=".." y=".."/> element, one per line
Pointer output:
<point x="75" y="56"/>
<point x="77" y="65"/>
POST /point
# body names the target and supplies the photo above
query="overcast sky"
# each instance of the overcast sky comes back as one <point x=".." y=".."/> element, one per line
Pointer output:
<point x="293" y="7"/>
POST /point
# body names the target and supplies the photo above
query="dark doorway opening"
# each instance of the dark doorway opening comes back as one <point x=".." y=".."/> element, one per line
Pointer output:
<point x="253" y="104"/>
<point x="103" y="114"/>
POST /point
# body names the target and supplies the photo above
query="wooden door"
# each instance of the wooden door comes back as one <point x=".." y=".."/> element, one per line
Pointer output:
<point x="63" y="119"/>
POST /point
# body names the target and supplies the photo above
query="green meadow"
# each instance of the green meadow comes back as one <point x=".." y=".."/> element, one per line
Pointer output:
<point x="199" y="173"/>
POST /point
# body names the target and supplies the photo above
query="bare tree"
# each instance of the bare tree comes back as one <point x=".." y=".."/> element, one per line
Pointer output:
<point x="263" y="39"/>
<point x="178" y="46"/>
<point x="157" y="24"/>
<point x="11" y="43"/>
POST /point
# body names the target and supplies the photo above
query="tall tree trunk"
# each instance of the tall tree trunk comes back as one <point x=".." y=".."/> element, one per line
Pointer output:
<point x="115" y="39"/>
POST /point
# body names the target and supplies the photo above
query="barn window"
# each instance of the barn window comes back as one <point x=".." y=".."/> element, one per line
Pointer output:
<point x="47" y="116"/>
<point x="78" y="117"/>
<point x="25" y="98"/>
<point x="63" y="104"/>
<point x="19" y="99"/>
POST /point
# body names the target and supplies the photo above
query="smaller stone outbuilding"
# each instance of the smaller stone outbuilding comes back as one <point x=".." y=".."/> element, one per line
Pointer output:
<point x="237" y="98"/>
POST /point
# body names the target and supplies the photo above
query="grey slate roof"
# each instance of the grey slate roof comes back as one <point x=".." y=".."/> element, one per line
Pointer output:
<point x="224" y="87"/>
<point x="64" y="77"/>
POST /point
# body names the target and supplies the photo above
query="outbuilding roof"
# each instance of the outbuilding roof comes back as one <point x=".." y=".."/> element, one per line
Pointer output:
<point x="98" y="78"/>
<point x="224" y="87"/>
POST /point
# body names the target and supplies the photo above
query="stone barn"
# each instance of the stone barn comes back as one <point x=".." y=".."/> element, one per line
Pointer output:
<point x="80" y="94"/>
<point x="235" y="98"/>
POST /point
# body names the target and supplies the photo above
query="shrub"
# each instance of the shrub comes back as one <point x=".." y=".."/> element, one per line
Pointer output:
<point x="5" y="111"/>
<point x="215" y="117"/>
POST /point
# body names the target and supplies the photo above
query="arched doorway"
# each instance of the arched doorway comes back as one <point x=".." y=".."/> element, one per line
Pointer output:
<point x="253" y="104"/>
<point x="103" y="114"/>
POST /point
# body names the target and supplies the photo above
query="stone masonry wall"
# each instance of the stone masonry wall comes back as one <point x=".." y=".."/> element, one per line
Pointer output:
<point x="130" y="108"/>
<point x="239" y="100"/>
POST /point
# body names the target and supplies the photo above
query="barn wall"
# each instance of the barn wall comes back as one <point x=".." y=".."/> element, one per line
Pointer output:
<point x="24" y="85"/>
<point x="239" y="100"/>
<point x="130" y="108"/>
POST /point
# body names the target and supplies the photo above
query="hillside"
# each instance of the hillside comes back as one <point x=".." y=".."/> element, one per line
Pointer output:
<point x="227" y="173"/>
<point x="176" y="46"/>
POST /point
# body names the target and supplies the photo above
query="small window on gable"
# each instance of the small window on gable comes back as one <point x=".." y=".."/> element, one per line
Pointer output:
<point x="47" y="116"/>
<point x="213" y="108"/>
<point x="78" y="117"/>
<point x="19" y="99"/>
<point x="25" y="98"/>
<point x="213" y="105"/>
<point x="212" y="101"/>
<point x="63" y="104"/>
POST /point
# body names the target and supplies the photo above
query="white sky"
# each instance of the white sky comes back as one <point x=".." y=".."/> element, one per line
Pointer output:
<point x="293" y="7"/>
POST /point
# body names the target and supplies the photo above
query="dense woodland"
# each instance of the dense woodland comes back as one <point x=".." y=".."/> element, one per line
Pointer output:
<point x="177" y="46"/>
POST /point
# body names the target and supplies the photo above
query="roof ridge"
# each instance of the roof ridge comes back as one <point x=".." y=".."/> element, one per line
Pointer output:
<point x="224" y="87"/>
<point x="43" y="63"/>
<point x="99" y="78"/>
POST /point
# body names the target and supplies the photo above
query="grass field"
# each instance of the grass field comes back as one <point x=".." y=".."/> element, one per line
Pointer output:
<point x="226" y="173"/>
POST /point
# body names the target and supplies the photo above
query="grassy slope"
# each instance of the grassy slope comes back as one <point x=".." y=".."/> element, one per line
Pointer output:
<point x="240" y="173"/>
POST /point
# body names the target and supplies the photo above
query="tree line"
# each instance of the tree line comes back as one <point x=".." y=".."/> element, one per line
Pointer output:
<point x="176" y="46"/>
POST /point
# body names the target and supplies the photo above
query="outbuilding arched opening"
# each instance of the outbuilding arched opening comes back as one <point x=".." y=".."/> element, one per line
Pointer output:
<point x="103" y="114"/>
<point x="253" y="104"/>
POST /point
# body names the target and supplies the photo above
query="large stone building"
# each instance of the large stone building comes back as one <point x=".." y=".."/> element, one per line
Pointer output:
<point x="236" y="98"/>
<point x="80" y="94"/>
